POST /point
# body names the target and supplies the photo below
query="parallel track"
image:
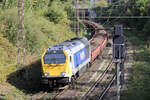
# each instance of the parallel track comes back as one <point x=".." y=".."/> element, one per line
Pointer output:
<point x="107" y="88"/>
<point x="99" y="79"/>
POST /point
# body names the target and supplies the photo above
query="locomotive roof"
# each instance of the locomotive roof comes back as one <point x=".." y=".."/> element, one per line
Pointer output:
<point x="68" y="44"/>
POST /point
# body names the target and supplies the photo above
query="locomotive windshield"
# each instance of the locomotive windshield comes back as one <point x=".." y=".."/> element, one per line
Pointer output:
<point x="54" y="57"/>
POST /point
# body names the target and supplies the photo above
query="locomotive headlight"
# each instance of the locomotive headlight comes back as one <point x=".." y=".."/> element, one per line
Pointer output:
<point x="62" y="74"/>
<point x="46" y="74"/>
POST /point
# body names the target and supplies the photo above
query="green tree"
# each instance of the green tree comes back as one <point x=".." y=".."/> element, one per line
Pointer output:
<point x="56" y="12"/>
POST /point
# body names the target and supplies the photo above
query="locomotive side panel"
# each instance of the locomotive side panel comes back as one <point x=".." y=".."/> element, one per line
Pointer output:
<point x="82" y="57"/>
<point x="79" y="57"/>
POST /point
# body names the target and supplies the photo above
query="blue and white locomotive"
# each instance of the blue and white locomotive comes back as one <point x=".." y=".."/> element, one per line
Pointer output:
<point x="63" y="62"/>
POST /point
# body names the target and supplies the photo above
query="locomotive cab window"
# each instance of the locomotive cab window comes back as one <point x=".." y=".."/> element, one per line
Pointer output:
<point x="54" y="57"/>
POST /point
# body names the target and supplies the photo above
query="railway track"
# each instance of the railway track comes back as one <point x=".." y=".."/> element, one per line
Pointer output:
<point x="99" y="79"/>
<point x="40" y="97"/>
<point x="107" y="88"/>
<point x="54" y="93"/>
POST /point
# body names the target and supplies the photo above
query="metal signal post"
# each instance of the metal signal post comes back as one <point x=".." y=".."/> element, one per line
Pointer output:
<point x="118" y="55"/>
<point x="76" y="16"/>
<point x="21" y="53"/>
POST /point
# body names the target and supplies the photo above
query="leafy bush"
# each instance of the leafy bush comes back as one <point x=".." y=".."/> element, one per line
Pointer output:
<point x="39" y="32"/>
<point x="139" y="87"/>
<point x="28" y="4"/>
<point x="139" y="81"/>
<point x="8" y="25"/>
<point x="8" y="56"/>
<point x="56" y="12"/>
<point x="101" y="3"/>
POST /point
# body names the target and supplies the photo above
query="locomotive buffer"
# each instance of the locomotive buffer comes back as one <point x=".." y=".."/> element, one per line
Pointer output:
<point x="118" y="55"/>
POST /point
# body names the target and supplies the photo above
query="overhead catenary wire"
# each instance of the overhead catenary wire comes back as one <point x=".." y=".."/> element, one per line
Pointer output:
<point x="110" y="17"/>
<point x="120" y="17"/>
<point x="117" y="17"/>
<point x="114" y="18"/>
<point x="110" y="12"/>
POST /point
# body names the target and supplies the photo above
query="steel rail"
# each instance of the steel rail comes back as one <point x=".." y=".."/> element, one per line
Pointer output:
<point x="60" y="93"/>
<point x="57" y="94"/>
<point x="42" y="95"/>
<point x="107" y="88"/>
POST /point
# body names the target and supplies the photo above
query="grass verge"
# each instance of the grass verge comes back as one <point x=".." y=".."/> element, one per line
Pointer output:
<point x="139" y="81"/>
